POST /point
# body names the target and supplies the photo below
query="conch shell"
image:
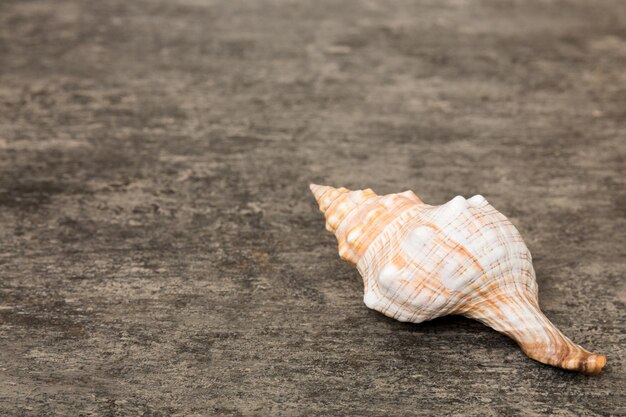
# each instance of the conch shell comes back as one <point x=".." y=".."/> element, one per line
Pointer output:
<point x="419" y="262"/>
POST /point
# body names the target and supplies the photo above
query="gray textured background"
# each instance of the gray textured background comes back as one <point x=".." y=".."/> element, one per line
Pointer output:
<point x="160" y="250"/>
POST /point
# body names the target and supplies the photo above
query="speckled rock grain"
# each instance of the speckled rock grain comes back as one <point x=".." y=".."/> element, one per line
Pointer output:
<point x="161" y="254"/>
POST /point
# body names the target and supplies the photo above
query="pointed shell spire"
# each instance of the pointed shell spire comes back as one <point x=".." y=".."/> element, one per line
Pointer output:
<point x="419" y="262"/>
<point x="340" y="206"/>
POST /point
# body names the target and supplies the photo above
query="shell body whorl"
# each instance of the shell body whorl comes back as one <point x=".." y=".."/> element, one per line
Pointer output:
<point x="419" y="262"/>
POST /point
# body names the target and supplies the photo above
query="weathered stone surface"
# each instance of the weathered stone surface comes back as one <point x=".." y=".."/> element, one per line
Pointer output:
<point x="161" y="253"/>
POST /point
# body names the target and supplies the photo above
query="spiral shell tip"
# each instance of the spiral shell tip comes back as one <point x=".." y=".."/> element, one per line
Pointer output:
<point x="323" y="195"/>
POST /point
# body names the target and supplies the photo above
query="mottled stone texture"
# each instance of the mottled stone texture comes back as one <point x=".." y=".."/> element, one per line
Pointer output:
<point x="161" y="253"/>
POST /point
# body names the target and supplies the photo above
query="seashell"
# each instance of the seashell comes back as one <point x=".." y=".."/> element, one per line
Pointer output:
<point x="419" y="262"/>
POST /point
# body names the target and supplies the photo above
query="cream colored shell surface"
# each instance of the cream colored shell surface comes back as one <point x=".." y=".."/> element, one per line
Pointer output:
<point x="432" y="260"/>
<point x="419" y="262"/>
